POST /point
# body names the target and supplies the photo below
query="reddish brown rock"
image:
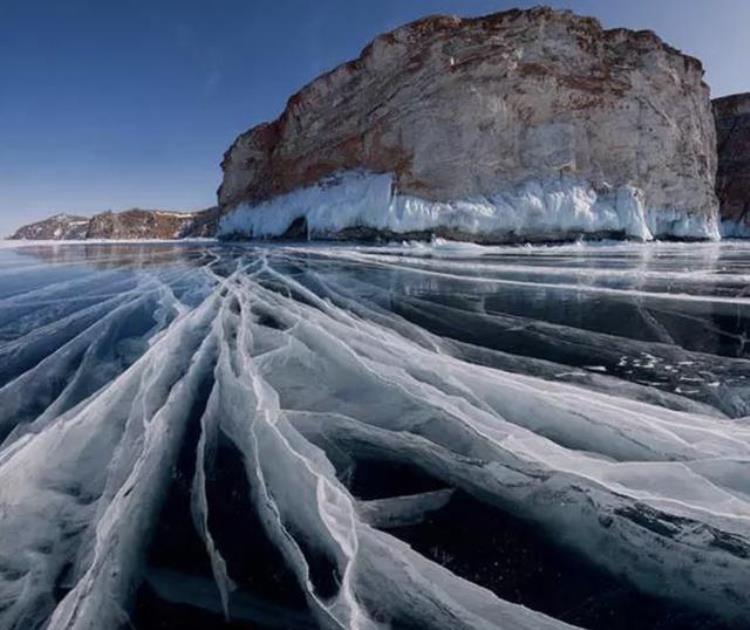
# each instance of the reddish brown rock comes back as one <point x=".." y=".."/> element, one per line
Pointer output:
<point x="151" y="224"/>
<point x="458" y="108"/>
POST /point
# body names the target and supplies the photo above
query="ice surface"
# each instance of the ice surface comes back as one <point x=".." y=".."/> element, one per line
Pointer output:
<point x="364" y="392"/>
<point x="539" y="210"/>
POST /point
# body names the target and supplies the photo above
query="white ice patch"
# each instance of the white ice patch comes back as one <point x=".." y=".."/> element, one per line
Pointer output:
<point x="678" y="224"/>
<point x="534" y="210"/>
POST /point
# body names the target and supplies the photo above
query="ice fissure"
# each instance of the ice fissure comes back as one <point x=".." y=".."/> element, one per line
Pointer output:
<point x="315" y="377"/>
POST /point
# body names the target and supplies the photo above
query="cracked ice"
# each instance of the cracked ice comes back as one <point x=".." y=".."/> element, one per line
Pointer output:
<point x="405" y="436"/>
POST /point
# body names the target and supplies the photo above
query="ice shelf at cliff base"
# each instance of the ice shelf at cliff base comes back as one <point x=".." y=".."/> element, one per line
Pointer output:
<point x="361" y="205"/>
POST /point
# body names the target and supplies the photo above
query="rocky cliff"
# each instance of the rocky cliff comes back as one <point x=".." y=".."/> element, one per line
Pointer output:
<point x="521" y="125"/>
<point x="733" y="175"/>
<point x="130" y="224"/>
<point x="152" y="224"/>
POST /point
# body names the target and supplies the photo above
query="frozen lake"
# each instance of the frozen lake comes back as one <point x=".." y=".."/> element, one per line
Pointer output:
<point x="439" y="435"/>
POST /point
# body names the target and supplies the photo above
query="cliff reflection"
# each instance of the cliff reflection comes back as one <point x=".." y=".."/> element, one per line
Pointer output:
<point x="122" y="255"/>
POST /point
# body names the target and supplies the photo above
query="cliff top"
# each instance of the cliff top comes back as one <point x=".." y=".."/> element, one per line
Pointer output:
<point x="433" y="26"/>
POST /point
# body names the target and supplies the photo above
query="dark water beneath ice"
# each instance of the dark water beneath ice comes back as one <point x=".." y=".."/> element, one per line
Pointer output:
<point x="197" y="435"/>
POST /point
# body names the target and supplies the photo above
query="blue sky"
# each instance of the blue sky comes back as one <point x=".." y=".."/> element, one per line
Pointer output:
<point x="111" y="104"/>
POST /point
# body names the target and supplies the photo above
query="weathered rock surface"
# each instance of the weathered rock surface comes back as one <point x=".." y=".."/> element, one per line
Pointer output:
<point x="463" y="109"/>
<point x="152" y="224"/>
<point x="733" y="175"/>
<point x="58" y="227"/>
<point x="130" y="224"/>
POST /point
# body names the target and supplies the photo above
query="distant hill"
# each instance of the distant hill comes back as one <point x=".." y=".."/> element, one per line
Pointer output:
<point x="136" y="223"/>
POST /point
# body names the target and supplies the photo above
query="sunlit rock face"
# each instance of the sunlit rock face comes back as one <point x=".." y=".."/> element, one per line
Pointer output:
<point x="463" y="110"/>
<point x="733" y="175"/>
<point x="132" y="224"/>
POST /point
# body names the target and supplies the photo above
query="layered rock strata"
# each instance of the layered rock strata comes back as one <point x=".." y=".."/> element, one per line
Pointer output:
<point x="523" y="125"/>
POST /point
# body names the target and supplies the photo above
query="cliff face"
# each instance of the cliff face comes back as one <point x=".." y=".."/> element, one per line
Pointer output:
<point x="733" y="175"/>
<point x="204" y="224"/>
<point x="152" y="224"/>
<point x="612" y="124"/>
<point x="127" y="225"/>
<point x="58" y="227"/>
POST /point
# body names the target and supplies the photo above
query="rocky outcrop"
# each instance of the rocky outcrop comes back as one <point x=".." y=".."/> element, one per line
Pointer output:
<point x="204" y="224"/>
<point x="56" y="228"/>
<point x="733" y="175"/>
<point x="128" y="225"/>
<point x="152" y="224"/>
<point x="517" y="125"/>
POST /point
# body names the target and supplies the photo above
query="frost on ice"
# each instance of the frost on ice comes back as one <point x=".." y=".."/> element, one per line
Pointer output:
<point x="344" y="437"/>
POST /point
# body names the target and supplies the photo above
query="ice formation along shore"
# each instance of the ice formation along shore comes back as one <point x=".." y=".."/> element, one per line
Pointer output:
<point x="231" y="415"/>
<point x="361" y="205"/>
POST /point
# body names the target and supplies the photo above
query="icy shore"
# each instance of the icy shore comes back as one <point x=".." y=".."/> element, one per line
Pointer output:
<point x="355" y="204"/>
